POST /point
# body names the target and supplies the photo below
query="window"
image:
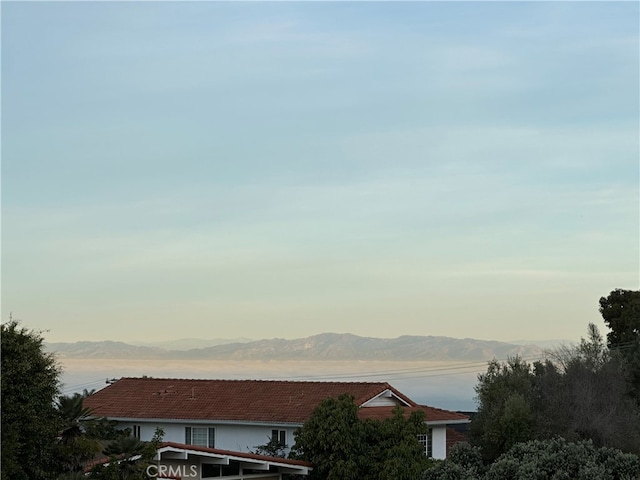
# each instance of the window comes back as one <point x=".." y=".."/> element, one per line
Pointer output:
<point x="426" y="440"/>
<point x="279" y="436"/>
<point x="202" y="436"/>
<point x="136" y="431"/>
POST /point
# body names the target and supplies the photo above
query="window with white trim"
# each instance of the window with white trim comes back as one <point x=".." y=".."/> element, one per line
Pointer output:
<point x="136" y="431"/>
<point x="425" y="440"/>
<point x="201" y="436"/>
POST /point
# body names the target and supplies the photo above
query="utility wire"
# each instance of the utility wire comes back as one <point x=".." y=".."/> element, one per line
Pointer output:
<point x="456" y="368"/>
<point x="423" y="371"/>
<point x="74" y="388"/>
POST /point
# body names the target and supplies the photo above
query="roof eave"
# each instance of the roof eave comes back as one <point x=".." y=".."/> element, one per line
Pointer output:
<point x="458" y="421"/>
<point x="284" y="466"/>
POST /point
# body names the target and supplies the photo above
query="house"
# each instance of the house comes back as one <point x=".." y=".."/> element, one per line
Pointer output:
<point x="240" y="415"/>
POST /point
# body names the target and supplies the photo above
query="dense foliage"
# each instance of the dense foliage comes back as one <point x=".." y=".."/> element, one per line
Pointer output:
<point x="343" y="447"/>
<point x="621" y="313"/>
<point x="129" y="458"/>
<point x="553" y="459"/>
<point x="572" y="416"/>
<point x="558" y="459"/>
<point x="578" y="394"/>
<point x="45" y="435"/>
<point x="464" y="462"/>
<point x="74" y="446"/>
<point x="30" y="424"/>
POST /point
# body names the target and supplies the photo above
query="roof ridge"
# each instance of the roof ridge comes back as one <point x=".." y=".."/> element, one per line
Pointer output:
<point x="263" y="380"/>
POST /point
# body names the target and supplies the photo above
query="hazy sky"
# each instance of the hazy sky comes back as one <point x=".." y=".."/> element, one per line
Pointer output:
<point x="284" y="169"/>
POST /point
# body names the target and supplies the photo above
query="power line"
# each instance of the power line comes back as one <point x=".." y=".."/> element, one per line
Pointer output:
<point x="73" y="388"/>
<point x="448" y="369"/>
<point x="424" y="371"/>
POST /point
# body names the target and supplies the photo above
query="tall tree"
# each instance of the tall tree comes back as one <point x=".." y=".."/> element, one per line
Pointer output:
<point x="505" y="417"/>
<point x="332" y="439"/>
<point x="579" y="393"/>
<point x="590" y="401"/>
<point x="343" y="447"/>
<point x="621" y="312"/>
<point x="30" y="423"/>
<point x="394" y="450"/>
<point x="75" y="446"/>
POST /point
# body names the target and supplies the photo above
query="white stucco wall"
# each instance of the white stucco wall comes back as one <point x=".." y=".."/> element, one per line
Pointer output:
<point x="439" y="439"/>
<point x="239" y="438"/>
<point x="244" y="438"/>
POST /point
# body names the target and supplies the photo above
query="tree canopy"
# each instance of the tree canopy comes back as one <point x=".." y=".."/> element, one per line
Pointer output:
<point x="579" y="393"/>
<point x="621" y="312"/>
<point x="505" y="415"/>
<point x="44" y="434"/>
<point x="30" y="424"/>
<point x="343" y="447"/>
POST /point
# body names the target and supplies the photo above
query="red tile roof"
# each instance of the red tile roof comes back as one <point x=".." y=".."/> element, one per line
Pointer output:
<point x="431" y="414"/>
<point x="236" y="400"/>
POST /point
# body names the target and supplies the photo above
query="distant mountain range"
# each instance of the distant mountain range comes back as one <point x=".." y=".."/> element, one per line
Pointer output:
<point x="191" y="343"/>
<point x="325" y="346"/>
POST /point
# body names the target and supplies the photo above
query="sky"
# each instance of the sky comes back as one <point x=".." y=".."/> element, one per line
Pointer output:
<point x="282" y="169"/>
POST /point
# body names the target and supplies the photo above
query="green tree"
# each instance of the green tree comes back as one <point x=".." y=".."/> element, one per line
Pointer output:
<point x="73" y="412"/>
<point x="505" y="417"/>
<point x="621" y="313"/>
<point x="75" y="446"/>
<point x="129" y="458"/>
<point x="578" y="393"/>
<point x="393" y="447"/>
<point x="589" y="401"/>
<point x="343" y="447"/>
<point x="332" y="439"/>
<point x="30" y="423"/>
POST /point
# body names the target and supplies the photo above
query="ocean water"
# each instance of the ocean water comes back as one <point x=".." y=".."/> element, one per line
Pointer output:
<point x="444" y="385"/>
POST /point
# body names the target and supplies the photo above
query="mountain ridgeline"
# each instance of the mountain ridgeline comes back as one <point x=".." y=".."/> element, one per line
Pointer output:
<point x="325" y="346"/>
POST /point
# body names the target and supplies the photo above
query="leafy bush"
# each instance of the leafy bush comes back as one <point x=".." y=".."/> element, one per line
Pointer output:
<point x="464" y="463"/>
<point x="558" y="459"/>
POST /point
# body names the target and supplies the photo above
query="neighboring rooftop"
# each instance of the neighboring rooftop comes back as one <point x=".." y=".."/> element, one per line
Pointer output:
<point x="238" y="400"/>
<point x="432" y="414"/>
<point x="169" y="448"/>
